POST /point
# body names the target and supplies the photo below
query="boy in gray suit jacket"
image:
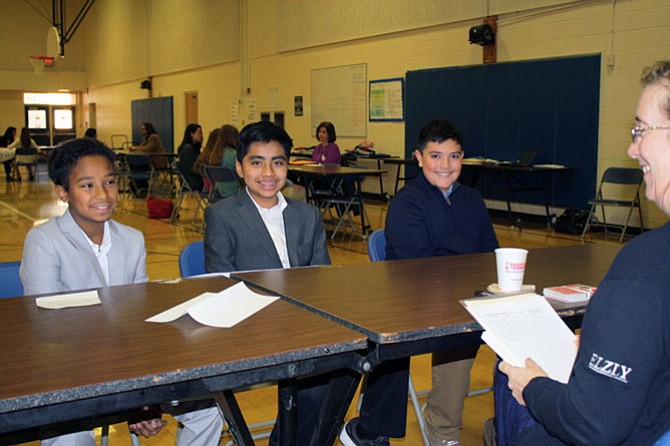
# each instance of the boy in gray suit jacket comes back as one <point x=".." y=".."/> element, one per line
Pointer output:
<point x="261" y="229"/>
<point x="258" y="228"/>
<point x="84" y="249"/>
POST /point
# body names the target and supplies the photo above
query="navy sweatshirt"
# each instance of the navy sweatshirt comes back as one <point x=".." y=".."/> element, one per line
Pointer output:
<point x="421" y="223"/>
<point x="619" y="391"/>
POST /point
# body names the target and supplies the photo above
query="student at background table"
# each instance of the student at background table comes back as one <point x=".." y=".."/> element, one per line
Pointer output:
<point x="91" y="133"/>
<point x="25" y="141"/>
<point x="258" y="228"/>
<point x="6" y="154"/>
<point x="433" y="215"/>
<point x="151" y="143"/>
<point x="188" y="153"/>
<point x="84" y="249"/>
<point x="220" y="151"/>
<point x="619" y="389"/>
<point x="326" y="152"/>
<point x="205" y="154"/>
<point x="224" y="154"/>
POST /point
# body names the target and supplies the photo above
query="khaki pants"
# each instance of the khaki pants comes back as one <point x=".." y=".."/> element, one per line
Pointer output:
<point x="451" y="383"/>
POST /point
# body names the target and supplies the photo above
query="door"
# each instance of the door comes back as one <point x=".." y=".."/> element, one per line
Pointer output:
<point x="92" y="116"/>
<point x="191" y="110"/>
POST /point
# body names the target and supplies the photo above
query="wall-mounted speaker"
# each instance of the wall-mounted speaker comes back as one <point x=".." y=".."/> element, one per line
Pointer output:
<point x="482" y="35"/>
<point x="145" y="84"/>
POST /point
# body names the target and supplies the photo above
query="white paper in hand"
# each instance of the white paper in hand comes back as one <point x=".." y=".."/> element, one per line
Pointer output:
<point x="526" y="326"/>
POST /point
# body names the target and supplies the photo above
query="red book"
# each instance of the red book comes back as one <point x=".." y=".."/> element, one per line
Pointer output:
<point x="573" y="293"/>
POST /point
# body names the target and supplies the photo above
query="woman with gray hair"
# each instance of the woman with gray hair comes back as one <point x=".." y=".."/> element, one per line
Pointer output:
<point x="619" y="389"/>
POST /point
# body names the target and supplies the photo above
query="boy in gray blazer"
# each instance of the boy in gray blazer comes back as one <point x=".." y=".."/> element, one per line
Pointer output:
<point x="83" y="249"/>
<point x="261" y="229"/>
<point x="258" y="228"/>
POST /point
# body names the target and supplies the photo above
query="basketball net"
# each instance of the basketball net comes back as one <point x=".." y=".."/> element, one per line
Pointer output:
<point x="39" y="62"/>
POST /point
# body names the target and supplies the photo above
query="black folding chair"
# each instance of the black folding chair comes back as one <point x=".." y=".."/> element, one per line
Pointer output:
<point x="26" y="157"/>
<point x="140" y="173"/>
<point x="619" y="187"/>
<point x="218" y="174"/>
<point x="184" y="189"/>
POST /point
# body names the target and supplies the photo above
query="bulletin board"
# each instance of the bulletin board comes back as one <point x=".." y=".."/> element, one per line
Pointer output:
<point x="386" y="100"/>
<point x="339" y="95"/>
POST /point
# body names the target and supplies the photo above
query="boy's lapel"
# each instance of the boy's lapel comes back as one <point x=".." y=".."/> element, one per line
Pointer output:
<point x="117" y="263"/>
<point x="292" y="225"/>
<point x="253" y="220"/>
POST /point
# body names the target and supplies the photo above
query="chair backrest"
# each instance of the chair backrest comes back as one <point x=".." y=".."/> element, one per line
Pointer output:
<point x="377" y="246"/>
<point x="10" y="283"/>
<point x="192" y="259"/>
<point x="623" y="175"/>
<point x="217" y="174"/>
<point x="26" y="151"/>
<point x="185" y="186"/>
<point x="138" y="162"/>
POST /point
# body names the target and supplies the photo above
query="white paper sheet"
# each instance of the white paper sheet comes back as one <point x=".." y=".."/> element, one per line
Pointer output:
<point x="82" y="299"/>
<point x="224" y="309"/>
<point x="526" y="326"/>
<point x="174" y="313"/>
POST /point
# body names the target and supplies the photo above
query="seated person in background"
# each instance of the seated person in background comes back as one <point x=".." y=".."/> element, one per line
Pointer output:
<point x="188" y="153"/>
<point x="434" y="215"/>
<point x="619" y="388"/>
<point x="83" y="249"/>
<point x="91" y="133"/>
<point x="260" y="229"/>
<point x="6" y="154"/>
<point x="25" y="141"/>
<point x="204" y="156"/>
<point x="326" y="152"/>
<point x="221" y="152"/>
<point x="151" y="143"/>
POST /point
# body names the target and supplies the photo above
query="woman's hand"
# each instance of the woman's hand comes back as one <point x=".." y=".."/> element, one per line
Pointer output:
<point x="519" y="377"/>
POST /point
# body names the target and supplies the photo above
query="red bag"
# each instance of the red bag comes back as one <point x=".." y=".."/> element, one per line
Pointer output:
<point x="159" y="207"/>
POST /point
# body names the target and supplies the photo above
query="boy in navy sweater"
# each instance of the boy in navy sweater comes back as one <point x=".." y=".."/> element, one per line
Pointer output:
<point x="434" y="215"/>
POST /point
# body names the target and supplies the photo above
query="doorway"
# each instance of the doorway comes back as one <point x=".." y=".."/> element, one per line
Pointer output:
<point x="92" y="116"/>
<point x="50" y="117"/>
<point x="191" y="107"/>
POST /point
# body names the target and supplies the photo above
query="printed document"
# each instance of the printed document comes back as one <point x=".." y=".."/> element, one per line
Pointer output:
<point x="526" y="326"/>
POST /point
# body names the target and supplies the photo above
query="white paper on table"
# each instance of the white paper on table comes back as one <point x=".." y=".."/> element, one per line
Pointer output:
<point x="82" y="299"/>
<point x="224" y="309"/>
<point x="526" y="326"/>
<point x="174" y="313"/>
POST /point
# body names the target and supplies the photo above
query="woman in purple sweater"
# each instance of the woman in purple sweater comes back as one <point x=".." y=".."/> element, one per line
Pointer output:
<point x="326" y="152"/>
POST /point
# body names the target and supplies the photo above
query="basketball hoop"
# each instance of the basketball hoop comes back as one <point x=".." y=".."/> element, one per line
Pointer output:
<point x="39" y="62"/>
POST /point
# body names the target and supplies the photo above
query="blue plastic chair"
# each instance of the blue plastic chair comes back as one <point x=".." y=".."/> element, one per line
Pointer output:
<point x="664" y="440"/>
<point x="10" y="283"/>
<point x="192" y="263"/>
<point x="192" y="259"/>
<point x="377" y="246"/>
<point x="377" y="253"/>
